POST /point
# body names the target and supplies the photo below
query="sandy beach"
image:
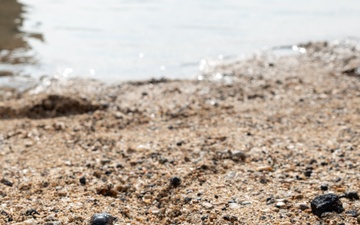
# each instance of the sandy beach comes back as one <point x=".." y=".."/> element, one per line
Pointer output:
<point x="253" y="142"/>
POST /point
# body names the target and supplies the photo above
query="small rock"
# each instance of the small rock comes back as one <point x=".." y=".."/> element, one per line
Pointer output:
<point x="264" y="168"/>
<point x="352" y="213"/>
<point x="148" y="199"/>
<point x="324" y="187"/>
<point x="175" y="181"/>
<point x="6" y="182"/>
<point x="308" y="173"/>
<point x="270" y="200"/>
<point x="102" y="219"/>
<point x="238" y="156"/>
<point x="234" y="205"/>
<point x="143" y="148"/>
<point x="205" y="217"/>
<point x="207" y="205"/>
<point x="105" y="161"/>
<point x="340" y="189"/>
<point x="53" y="223"/>
<point x="82" y="180"/>
<point x="352" y="195"/>
<point x="245" y="203"/>
<point x="31" y="212"/>
<point x="280" y="205"/>
<point x="187" y="200"/>
<point x="326" y="203"/>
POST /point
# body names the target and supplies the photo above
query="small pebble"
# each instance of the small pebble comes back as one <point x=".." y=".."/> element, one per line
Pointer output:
<point x="264" y="168"/>
<point x="352" y="213"/>
<point x="262" y="217"/>
<point x="326" y="203"/>
<point x="245" y="203"/>
<point x="207" y="205"/>
<point x="238" y="156"/>
<point x="6" y="182"/>
<point x="102" y="219"/>
<point x="308" y="172"/>
<point x="205" y="217"/>
<point x="82" y="180"/>
<point x="52" y="223"/>
<point x="352" y="195"/>
<point x="340" y="189"/>
<point x="280" y="205"/>
<point x="234" y="205"/>
<point x="270" y="200"/>
<point x="187" y="200"/>
<point x="175" y="181"/>
<point x="31" y="212"/>
<point x="324" y="187"/>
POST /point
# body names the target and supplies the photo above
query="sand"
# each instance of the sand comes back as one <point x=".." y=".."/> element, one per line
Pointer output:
<point x="252" y="142"/>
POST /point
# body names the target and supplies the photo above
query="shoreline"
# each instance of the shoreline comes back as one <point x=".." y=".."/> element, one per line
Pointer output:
<point x="242" y="145"/>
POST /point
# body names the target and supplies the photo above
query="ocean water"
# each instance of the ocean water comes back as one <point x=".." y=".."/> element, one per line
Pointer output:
<point x="120" y="40"/>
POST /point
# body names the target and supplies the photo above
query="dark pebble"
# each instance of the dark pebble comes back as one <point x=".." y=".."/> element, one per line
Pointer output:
<point x="175" y="181"/>
<point x="308" y="172"/>
<point x="324" y="187"/>
<point x="163" y="160"/>
<point x="352" y="213"/>
<point x="119" y="165"/>
<point x="53" y="223"/>
<point x="6" y="182"/>
<point x="238" y="156"/>
<point x="102" y="219"/>
<point x="326" y="203"/>
<point x="31" y="212"/>
<point x="270" y="200"/>
<point x="205" y="217"/>
<point x="82" y="180"/>
<point x="187" y="200"/>
<point x="352" y="195"/>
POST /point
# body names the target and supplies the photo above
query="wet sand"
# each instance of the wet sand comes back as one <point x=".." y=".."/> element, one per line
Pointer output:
<point x="251" y="148"/>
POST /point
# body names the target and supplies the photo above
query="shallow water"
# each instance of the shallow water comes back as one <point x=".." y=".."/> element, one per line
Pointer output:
<point x="131" y="40"/>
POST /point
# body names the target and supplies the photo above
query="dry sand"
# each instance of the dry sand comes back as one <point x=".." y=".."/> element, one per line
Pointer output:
<point x="242" y="145"/>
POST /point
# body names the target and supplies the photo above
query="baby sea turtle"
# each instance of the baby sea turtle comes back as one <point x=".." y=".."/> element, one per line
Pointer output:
<point x="102" y="219"/>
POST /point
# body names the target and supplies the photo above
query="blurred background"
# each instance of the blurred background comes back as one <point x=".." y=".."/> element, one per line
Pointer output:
<point x="120" y="40"/>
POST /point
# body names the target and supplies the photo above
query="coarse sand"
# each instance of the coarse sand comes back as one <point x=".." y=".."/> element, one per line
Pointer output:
<point x="253" y="141"/>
